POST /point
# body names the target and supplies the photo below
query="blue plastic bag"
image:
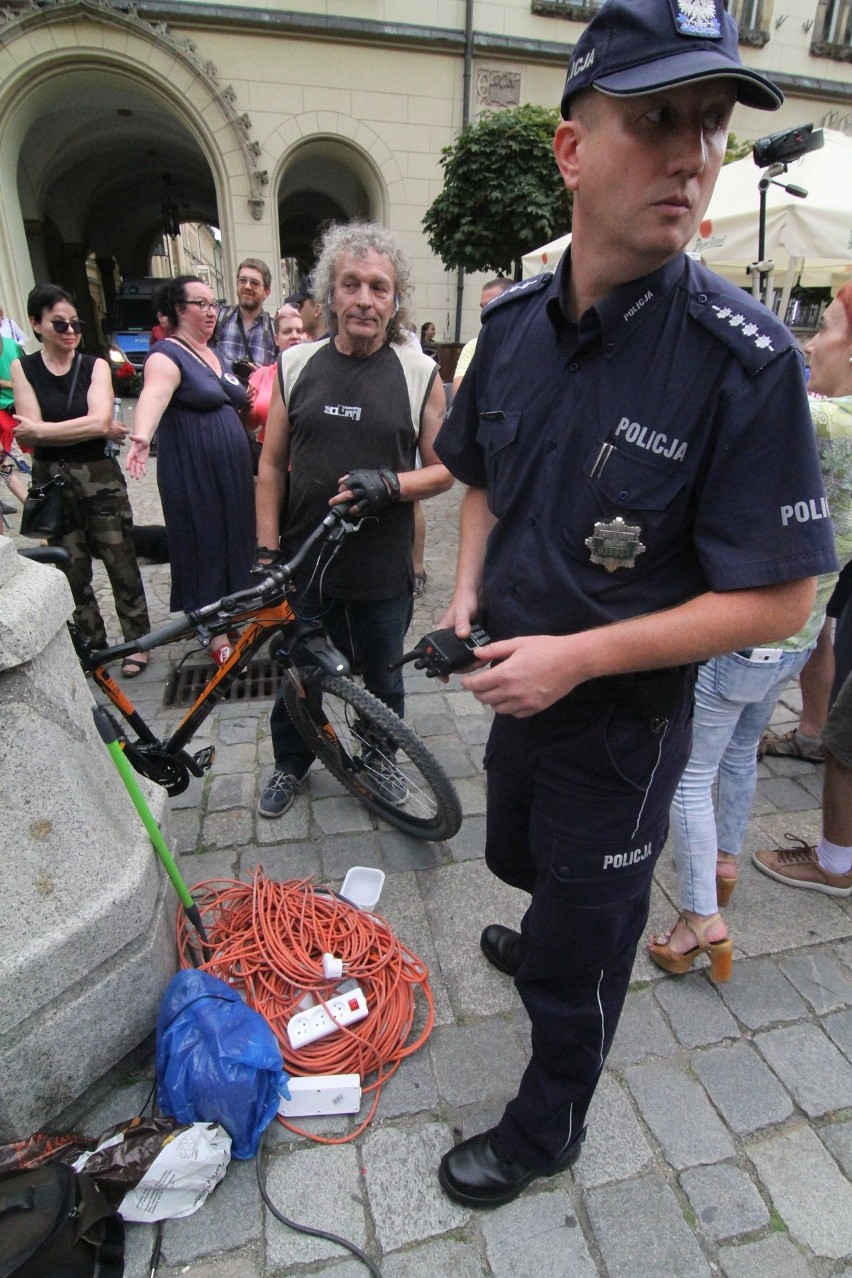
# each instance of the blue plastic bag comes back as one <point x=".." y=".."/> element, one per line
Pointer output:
<point x="217" y="1060"/>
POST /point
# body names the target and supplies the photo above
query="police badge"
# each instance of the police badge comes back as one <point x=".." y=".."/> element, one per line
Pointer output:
<point x="698" y="18"/>
<point x="615" y="544"/>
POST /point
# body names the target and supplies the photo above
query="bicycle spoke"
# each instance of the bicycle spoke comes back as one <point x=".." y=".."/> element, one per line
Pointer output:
<point x="378" y="757"/>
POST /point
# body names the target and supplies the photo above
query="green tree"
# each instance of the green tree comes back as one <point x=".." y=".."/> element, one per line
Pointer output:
<point x="735" y="150"/>
<point x="503" y="194"/>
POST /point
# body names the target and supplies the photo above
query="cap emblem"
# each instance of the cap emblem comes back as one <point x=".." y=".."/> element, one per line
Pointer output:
<point x="698" y="18"/>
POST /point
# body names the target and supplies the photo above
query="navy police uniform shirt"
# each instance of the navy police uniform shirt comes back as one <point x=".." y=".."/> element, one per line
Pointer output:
<point x="677" y="405"/>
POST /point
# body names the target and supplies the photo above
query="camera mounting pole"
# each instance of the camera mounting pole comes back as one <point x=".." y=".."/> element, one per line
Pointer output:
<point x="761" y="270"/>
<point x="774" y="154"/>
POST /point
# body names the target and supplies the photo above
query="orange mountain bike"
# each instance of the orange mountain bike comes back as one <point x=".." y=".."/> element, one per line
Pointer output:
<point x="367" y="747"/>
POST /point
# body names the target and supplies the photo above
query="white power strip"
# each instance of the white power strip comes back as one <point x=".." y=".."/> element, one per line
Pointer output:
<point x="322" y="1094"/>
<point x="306" y="1027"/>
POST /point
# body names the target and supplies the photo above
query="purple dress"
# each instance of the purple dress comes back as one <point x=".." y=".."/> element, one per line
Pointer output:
<point x="204" y="474"/>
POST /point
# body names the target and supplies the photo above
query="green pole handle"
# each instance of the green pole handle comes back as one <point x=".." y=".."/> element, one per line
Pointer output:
<point x="108" y="736"/>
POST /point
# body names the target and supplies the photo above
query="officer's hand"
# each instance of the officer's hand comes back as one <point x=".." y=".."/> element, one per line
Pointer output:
<point x="532" y="672"/>
<point x="367" y="489"/>
<point x="460" y="616"/>
<point x="462" y="611"/>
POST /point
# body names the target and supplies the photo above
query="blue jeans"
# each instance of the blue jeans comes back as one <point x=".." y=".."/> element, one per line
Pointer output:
<point x="372" y="635"/>
<point x="734" y="700"/>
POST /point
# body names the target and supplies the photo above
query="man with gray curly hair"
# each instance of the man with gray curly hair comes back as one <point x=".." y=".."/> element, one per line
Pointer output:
<point x="351" y="413"/>
<point x="360" y="240"/>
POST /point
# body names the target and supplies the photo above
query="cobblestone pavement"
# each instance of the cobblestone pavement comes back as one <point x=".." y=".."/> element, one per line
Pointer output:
<point x="720" y="1140"/>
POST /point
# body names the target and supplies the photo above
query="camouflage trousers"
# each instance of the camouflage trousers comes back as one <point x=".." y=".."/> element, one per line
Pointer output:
<point x="98" y="521"/>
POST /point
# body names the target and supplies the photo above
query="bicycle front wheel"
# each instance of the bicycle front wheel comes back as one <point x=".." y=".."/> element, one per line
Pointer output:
<point x="375" y="755"/>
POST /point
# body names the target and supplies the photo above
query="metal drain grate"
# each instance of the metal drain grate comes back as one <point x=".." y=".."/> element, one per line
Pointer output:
<point x="259" y="681"/>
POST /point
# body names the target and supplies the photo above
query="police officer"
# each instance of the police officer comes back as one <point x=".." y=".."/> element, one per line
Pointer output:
<point x="630" y="431"/>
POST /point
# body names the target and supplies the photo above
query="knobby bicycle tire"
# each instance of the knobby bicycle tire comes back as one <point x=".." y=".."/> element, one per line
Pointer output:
<point x="376" y="756"/>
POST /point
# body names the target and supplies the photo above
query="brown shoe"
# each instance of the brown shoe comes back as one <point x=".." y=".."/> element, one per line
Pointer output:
<point x="798" y="867"/>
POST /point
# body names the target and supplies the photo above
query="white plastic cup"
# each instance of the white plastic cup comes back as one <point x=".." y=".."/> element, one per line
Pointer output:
<point x="363" y="886"/>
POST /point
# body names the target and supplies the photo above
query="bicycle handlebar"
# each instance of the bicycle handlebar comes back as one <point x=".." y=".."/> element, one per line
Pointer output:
<point x="268" y="590"/>
<point x="173" y="629"/>
<point x="334" y="527"/>
<point x="45" y="554"/>
<point x="176" y="628"/>
<point x="273" y="586"/>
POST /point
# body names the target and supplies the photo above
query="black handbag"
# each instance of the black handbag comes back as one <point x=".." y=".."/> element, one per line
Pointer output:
<point x="55" y="1223"/>
<point x="42" y="513"/>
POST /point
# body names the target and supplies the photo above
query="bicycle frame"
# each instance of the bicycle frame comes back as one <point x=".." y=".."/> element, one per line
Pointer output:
<point x="260" y="627"/>
<point x="166" y="761"/>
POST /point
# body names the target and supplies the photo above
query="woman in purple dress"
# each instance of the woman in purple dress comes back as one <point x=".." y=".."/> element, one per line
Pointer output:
<point x="204" y="470"/>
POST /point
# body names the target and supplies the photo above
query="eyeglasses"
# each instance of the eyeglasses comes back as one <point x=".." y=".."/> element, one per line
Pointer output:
<point x="62" y="326"/>
<point x="204" y="307"/>
<point x="247" y="283"/>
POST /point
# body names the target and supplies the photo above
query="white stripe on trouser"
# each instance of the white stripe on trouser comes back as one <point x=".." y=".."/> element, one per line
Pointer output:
<point x="565" y="1147"/>
<point x="570" y="1133"/>
<point x="651" y="778"/>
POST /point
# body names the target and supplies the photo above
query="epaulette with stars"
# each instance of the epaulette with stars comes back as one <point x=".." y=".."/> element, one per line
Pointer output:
<point x="752" y="333"/>
<point x="523" y="288"/>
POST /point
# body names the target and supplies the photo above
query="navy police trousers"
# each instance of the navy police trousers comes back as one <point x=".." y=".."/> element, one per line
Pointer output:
<point x="578" y="803"/>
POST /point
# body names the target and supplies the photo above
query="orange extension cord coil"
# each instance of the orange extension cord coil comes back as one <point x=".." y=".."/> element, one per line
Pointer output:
<point x="268" y="940"/>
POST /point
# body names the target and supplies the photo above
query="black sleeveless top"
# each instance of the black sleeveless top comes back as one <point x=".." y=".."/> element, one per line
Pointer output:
<point x="51" y="391"/>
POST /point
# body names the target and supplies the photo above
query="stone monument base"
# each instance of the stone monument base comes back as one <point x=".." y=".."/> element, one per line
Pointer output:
<point x="86" y="917"/>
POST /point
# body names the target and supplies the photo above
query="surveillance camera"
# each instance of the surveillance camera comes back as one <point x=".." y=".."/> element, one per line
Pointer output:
<point x="780" y="148"/>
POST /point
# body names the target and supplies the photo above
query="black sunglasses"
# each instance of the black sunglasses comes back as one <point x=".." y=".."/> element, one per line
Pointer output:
<point x="62" y="326"/>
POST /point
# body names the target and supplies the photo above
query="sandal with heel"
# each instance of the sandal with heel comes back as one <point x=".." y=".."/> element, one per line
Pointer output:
<point x="725" y="884"/>
<point x="720" y="953"/>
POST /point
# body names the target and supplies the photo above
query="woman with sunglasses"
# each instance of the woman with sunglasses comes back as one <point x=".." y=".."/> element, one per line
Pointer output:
<point x="64" y="403"/>
<point x="204" y="470"/>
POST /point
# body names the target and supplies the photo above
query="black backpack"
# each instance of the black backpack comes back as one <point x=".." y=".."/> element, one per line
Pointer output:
<point x="55" y="1223"/>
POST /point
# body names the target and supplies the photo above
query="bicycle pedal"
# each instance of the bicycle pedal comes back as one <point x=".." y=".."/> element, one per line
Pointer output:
<point x="204" y="758"/>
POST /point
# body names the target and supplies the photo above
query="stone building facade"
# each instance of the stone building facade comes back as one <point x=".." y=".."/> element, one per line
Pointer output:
<point x="265" y="122"/>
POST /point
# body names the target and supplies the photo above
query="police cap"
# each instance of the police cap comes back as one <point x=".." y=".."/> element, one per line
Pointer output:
<point x="638" y="46"/>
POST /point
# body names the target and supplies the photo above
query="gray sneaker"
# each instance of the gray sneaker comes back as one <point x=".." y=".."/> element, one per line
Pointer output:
<point x="281" y="790"/>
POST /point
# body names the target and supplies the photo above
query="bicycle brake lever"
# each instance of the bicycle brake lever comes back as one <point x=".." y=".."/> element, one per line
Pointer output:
<point x="336" y="523"/>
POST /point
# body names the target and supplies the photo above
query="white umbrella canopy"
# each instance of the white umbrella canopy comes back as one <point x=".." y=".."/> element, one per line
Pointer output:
<point x="812" y="237"/>
<point x="545" y="258"/>
<point x="816" y="231"/>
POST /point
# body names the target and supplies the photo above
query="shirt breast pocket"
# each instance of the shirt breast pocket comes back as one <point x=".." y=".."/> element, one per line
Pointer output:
<point x="496" y="435"/>
<point x="625" y="483"/>
<point x="639" y="491"/>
